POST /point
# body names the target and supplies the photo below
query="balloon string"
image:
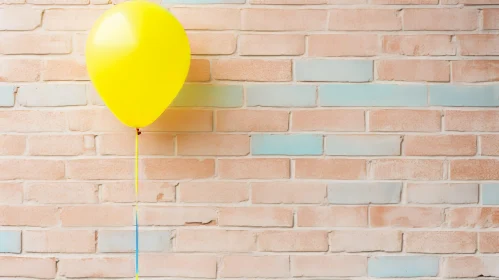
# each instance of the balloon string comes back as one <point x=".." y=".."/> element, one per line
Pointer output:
<point x="136" y="203"/>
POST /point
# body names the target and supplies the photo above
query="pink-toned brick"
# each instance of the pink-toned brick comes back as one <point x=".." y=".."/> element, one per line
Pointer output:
<point x="12" y="145"/>
<point x="471" y="267"/>
<point x="200" y="240"/>
<point x="404" y="2"/>
<point x="407" y="169"/>
<point x="405" y="120"/>
<point x="342" y="45"/>
<point x="58" y="145"/>
<point x="208" y="18"/>
<point x="252" y="120"/>
<point x="65" y="70"/>
<point x="262" y="168"/>
<point x="61" y="193"/>
<point x="418" y="45"/>
<point x="272" y="44"/>
<point x="44" y="268"/>
<point x="413" y="70"/>
<point x="328" y="120"/>
<point x="440" y="19"/>
<point x="443" y="242"/>
<point x="332" y="216"/>
<point x="288" y="192"/>
<point x="365" y="241"/>
<point x="338" y="169"/>
<point x="19" y="17"/>
<point x="252" y="70"/>
<point x="255" y="266"/>
<point x="478" y="44"/>
<point x="256" y="217"/>
<point x="178" y="265"/>
<point x="79" y="41"/>
<point x="59" y="241"/>
<point x="490" y="18"/>
<point x="32" y="121"/>
<point x="460" y="120"/>
<point x="199" y="71"/>
<point x="148" y="192"/>
<point x="96" y="216"/>
<point x="109" y="267"/>
<point x="212" y="43"/>
<point x="283" y="19"/>
<point x="11" y="193"/>
<point x="20" y="70"/>
<point x="31" y="169"/>
<point x="35" y="216"/>
<point x="177" y="216"/>
<point x="213" y="144"/>
<point x="99" y="168"/>
<point x="25" y="43"/>
<point x="213" y="192"/>
<point x="405" y="216"/>
<point x="288" y="2"/>
<point x="364" y="19"/>
<point x="474" y="169"/>
<point x="475" y="71"/>
<point x="293" y="241"/>
<point x="440" y="145"/>
<point x="488" y="242"/>
<point x="70" y="19"/>
<point x="328" y="266"/>
<point x="489" y="145"/>
<point x="473" y="217"/>
<point x="178" y="168"/>
<point x="124" y="144"/>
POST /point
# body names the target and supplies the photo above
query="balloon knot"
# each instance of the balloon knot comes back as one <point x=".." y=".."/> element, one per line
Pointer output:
<point x="138" y="131"/>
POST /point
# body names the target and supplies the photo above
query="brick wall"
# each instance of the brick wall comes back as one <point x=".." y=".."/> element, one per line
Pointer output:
<point x="316" y="139"/>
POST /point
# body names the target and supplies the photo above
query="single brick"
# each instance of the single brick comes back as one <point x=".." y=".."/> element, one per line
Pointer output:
<point x="203" y="18"/>
<point x="337" y="169"/>
<point x="19" y="18"/>
<point x="364" y="193"/>
<point x="405" y="120"/>
<point x="440" y="145"/>
<point x="466" y="96"/>
<point x="413" y="70"/>
<point x="403" y="216"/>
<point x="440" y="19"/>
<point x="328" y="120"/>
<point x="178" y="265"/>
<point x="123" y="241"/>
<point x="332" y="216"/>
<point x="207" y="240"/>
<point x="442" y="193"/>
<point x="328" y="266"/>
<point x="478" y="44"/>
<point x="281" y="95"/>
<point x="322" y="45"/>
<point x="96" y="216"/>
<point x="30" y="267"/>
<point x="59" y="241"/>
<point x="252" y="120"/>
<point x="372" y="95"/>
<point x="293" y="144"/>
<point x="109" y="267"/>
<point x="490" y="19"/>
<point x="123" y="144"/>
<point x="365" y="241"/>
<point x="403" y="266"/>
<point x="287" y="192"/>
<point x="459" y="120"/>
<point x="471" y="267"/>
<point x="272" y="44"/>
<point x="473" y="217"/>
<point x="418" y="45"/>
<point x="26" y="43"/>
<point x="489" y="145"/>
<point x="254" y="168"/>
<point x="212" y="43"/>
<point x="364" y="19"/>
<point x="10" y="242"/>
<point x="100" y="168"/>
<point x="12" y="145"/>
<point x="488" y="242"/>
<point x="7" y="96"/>
<point x="442" y="242"/>
<point x="257" y="70"/>
<point x="213" y="144"/>
<point x="177" y="216"/>
<point x="13" y="169"/>
<point x="490" y="194"/>
<point x="213" y="192"/>
<point x="70" y="19"/>
<point x="65" y="70"/>
<point x="359" y="145"/>
<point x="195" y="2"/>
<point x="293" y="241"/>
<point x="255" y="217"/>
<point x="29" y="215"/>
<point x="178" y="168"/>
<point x="234" y="266"/>
<point x="62" y="193"/>
<point x="150" y="191"/>
<point x="288" y="2"/>
<point x="12" y="193"/>
<point x="321" y="70"/>
<point x="474" y="169"/>
<point x="63" y="145"/>
<point x="283" y="19"/>
<point x="407" y="169"/>
<point x="475" y="71"/>
<point x="20" y="70"/>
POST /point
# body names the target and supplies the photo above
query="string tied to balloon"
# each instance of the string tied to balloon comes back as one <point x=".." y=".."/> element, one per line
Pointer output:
<point x="137" y="133"/>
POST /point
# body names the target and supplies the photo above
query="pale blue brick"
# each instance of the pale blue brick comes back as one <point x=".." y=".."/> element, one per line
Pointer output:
<point x="52" y="95"/>
<point x="364" y="193"/>
<point x="10" y="241"/>
<point x="299" y="144"/>
<point x="363" y="145"/>
<point x="196" y="95"/>
<point x="322" y="70"/>
<point x="119" y="241"/>
<point x="490" y="194"/>
<point x="403" y="266"/>
<point x="385" y="95"/>
<point x="165" y="2"/>
<point x="281" y="95"/>
<point x="7" y="96"/>
<point x="461" y="95"/>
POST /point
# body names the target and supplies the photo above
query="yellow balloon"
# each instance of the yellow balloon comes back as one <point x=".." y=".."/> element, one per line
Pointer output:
<point x="137" y="57"/>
